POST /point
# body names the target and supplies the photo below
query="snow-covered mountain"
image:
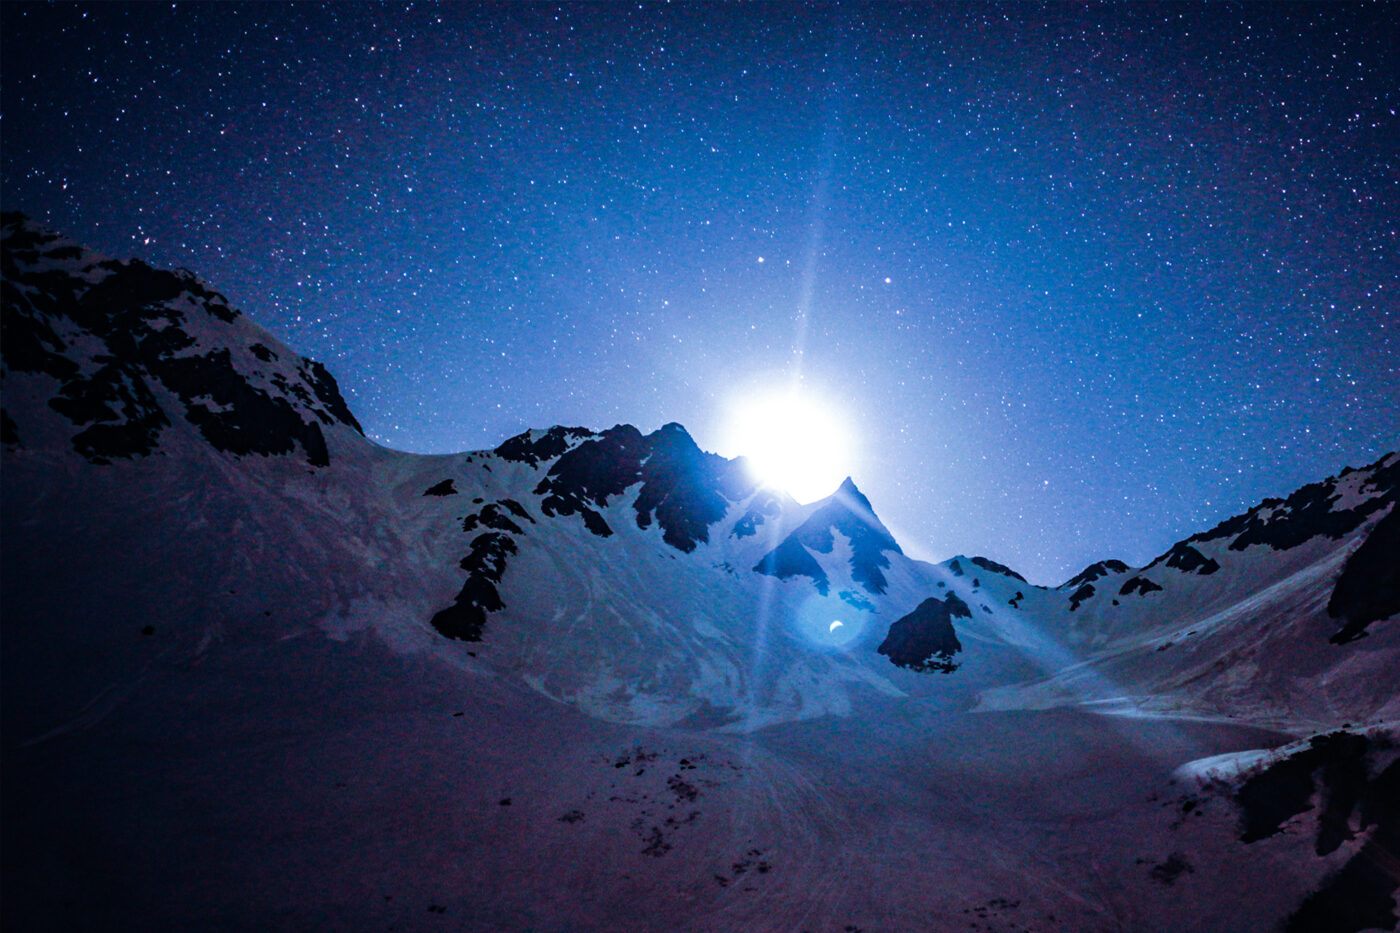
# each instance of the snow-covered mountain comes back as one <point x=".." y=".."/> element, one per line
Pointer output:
<point x="1276" y="616"/>
<point x="260" y="672"/>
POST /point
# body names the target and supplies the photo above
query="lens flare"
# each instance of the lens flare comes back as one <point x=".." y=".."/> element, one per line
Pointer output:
<point x="792" y="442"/>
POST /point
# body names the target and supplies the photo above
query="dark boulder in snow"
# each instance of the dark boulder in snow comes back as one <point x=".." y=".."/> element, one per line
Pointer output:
<point x="445" y="488"/>
<point x="924" y="640"/>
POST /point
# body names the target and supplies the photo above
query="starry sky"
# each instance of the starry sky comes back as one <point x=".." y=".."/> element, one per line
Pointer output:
<point x="1083" y="279"/>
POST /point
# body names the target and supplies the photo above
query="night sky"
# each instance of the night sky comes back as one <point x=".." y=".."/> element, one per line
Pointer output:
<point x="1083" y="279"/>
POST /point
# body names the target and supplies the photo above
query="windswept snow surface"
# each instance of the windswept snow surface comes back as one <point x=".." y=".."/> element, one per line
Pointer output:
<point x="260" y="673"/>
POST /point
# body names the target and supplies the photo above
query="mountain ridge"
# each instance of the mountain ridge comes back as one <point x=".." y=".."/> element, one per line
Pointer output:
<point x="586" y="647"/>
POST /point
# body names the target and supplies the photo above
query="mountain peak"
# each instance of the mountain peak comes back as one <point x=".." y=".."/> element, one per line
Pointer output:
<point x="141" y="354"/>
<point x="683" y="489"/>
<point x="851" y="494"/>
<point x="846" y="511"/>
<point x="673" y="436"/>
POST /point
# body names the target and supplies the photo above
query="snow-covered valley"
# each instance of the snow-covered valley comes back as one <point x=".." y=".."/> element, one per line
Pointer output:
<point x="261" y="673"/>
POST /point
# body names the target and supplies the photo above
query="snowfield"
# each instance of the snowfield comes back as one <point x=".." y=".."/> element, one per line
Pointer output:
<point x="261" y="673"/>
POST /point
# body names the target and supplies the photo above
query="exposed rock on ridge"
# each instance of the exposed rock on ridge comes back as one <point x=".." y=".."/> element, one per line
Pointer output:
<point x="122" y="338"/>
<point x="847" y="512"/>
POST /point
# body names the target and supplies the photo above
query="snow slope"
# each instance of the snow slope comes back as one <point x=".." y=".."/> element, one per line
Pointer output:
<point x="1243" y="621"/>
<point x="259" y="672"/>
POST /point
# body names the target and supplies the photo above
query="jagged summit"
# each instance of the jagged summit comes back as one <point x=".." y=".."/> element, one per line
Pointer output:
<point x="137" y="351"/>
<point x="531" y="447"/>
<point x="683" y="489"/>
<point x="1093" y="572"/>
<point x="955" y="566"/>
<point x="1325" y="511"/>
<point x="848" y="488"/>
<point x="848" y="513"/>
<point x="1333" y="507"/>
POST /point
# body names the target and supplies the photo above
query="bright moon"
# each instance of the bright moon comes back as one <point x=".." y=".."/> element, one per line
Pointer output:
<point x="792" y="443"/>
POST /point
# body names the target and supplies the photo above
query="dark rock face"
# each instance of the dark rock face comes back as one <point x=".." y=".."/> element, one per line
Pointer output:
<point x="327" y="392"/>
<point x="143" y="319"/>
<point x="239" y="418"/>
<point x="849" y="512"/>
<point x="683" y="489"/>
<point x="592" y="473"/>
<point x="1079" y="595"/>
<point x="687" y="489"/>
<point x="595" y="523"/>
<point x="492" y="515"/>
<point x="765" y="505"/>
<point x="1140" y="585"/>
<point x="1092" y="572"/>
<point x="1187" y="559"/>
<point x="1361" y="896"/>
<point x="485" y="565"/>
<point x="1339" y="770"/>
<point x="125" y="419"/>
<point x="924" y="640"/>
<point x="9" y="431"/>
<point x="791" y="559"/>
<point x="445" y="488"/>
<point x="955" y="568"/>
<point x="994" y="567"/>
<point x="1369" y="588"/>
<point x="551" y="444"/>
<point x="1308" y="512"/>
<point x="1283" y="790"/>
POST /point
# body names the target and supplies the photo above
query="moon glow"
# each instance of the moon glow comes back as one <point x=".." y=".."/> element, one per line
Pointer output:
<point x="792" y="442"/>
